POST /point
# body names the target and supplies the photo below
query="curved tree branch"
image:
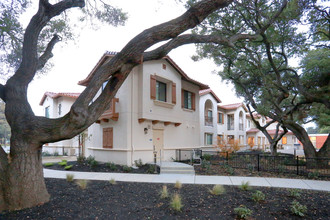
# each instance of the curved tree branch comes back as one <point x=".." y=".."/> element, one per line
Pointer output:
<point x="2" y="92"/>
<point x="48" y="52"/>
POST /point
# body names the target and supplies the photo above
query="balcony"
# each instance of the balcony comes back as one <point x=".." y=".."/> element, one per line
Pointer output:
<point x="110" y="113"/>
<point x="241" y="127"/>
<point x="208" y="121"/>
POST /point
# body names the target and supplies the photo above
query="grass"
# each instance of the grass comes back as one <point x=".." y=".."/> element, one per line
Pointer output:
<point x="178" y="185"/>
<point x="69" y="177"/>
<point x="217" y="190"/>
<point x="176" y="203"/>
<point x="112" y="181"/>
<point x="82" y="184"/>
<point x="258" y="196"/>
<point x="164" y="193"/>
<point x="245" y="186"/>
<point x="48" y="164"/>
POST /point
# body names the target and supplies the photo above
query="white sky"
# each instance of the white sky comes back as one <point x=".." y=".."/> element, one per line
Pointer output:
<point x="74" y="61"/>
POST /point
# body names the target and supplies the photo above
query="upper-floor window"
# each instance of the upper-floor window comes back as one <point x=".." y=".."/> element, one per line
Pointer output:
<point x="47" y="112"/>
<point x="230" y="122"/>
<point x="59" y="109"/>
<point x="220" y="118"/>
<point x="161" y="91"/>
<point x="209" y="118"/>
<point x="187" y="96"/>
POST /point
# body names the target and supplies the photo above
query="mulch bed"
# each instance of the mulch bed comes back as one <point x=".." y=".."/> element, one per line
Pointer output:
<point x="102" y="200"/>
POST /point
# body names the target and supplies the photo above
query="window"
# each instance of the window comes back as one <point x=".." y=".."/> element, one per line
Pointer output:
<point x="230" y="139"/>
<point x="230" y="122"/>
<point x="107" y="137"/>
<point x="209" y="118"/>
<point x="259" y="141"/>
<point x="220" y="118"/>
<point x="59" y="109"/>
<point x="160" y="91"/>
<point x="220" y="139"/>
<point x="187" y="99"/>
<point x="251" y="141"/>
<point x="208" y="139"/>
<point x="47" y="112"/>
<point x="284" y="140"/>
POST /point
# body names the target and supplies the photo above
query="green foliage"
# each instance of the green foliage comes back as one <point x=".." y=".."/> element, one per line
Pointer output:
<point x="138" y="163"/>
<point x="91" y="161"/>
<point x="127" y="169"/>
<point x="48" y="164"/>
<point x="295" y="193"/>
<point x="81" y="159"/>
<point x="207" y="157"/>
<point x="243" y="212"/>
<point x="313" y="175"/>
<point x="229" y="169"/>
<point x="112" y="166"/>
<point x="250" y="167"/>
<point x="258" y="196"/>
<point x="63" y="163"/>
<point x="217" y="190"/>
<point x="206" y="165"/>
<point x="298" y="209"/>
<point x="245" y="186"/>
<point x="164" y="192"/>
<point x="176" y="203"/>
<point x="69" y="177"/>
<point x="151" y="169"/>
<point x="68" y="167"/>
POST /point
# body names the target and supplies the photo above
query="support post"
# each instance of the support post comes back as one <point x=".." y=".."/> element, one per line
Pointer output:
<point x="258" y="162"/>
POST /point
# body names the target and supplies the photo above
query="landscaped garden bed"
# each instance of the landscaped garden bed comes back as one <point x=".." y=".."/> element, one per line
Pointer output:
<point x="105" y="200"/>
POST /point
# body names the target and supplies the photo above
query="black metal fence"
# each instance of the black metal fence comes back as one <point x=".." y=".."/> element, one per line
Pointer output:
<point x="311" y="167"/>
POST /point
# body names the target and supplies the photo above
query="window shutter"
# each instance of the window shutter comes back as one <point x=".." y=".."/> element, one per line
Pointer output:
<point x="223" y="118"/>
<point x="193" y="102"/>
<point x="152" y="86"/>
<point x="218" y="117"/>
<point x="107" y="137"/>
<point x="182" y="98"/>
<point x="173" y="93"/>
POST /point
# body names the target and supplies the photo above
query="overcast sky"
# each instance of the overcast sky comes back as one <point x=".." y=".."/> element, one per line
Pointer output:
<point x="74" y="61"/>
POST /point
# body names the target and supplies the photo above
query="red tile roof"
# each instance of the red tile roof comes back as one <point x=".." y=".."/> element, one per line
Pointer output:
<point x="273" y="132"/>
<point x="207" y="91"/>
<point x="108" y="55"/>
<point x="253" y="130"/>
<point x="233" y="106"/>
<point x="57" y="95"/>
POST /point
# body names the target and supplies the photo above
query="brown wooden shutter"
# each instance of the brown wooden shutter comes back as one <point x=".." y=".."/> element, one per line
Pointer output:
<point x="223" y="118"/>
<point x="152" y="86"/>
<point x="193" y="102"/>
<point x="107" y="137"/>
<point x="182" y="98"/>
<point x="173" y="93"/>
<point x="218" y="118"/>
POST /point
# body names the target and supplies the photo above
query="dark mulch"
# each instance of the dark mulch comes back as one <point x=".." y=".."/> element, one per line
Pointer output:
<point x="105" y="167"/>
<point x="101" y="200"/>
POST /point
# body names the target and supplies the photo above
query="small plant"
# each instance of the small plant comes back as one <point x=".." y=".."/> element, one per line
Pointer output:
<point x="69" y="177"/>
<point x="68" y="167"/>
<point x="258" y="196"/>
<point x="48" y="164"/>
<point x="164" y="193"/>
<point x="245" y="186"/>
<point x="112" y="181"/>
<point x="82" y="184"/>
<point x="176" y="203"/>
<point x="313" y="175"/>
<point x="178" y="185"/>
<point x="250" y="167"/>
<point x="93" y="164"/>
<point x="138" y="163"/>
<point x="81" y="159"/>
<point x="206" y="164"/>
<point x="295" y="193"/>
<point x="111" y="166"/>
<point x="217" y="190"/>
<point x="281" y="169"/>
<point x="242" y="212"/>
<point x="229" y="170"/>
<point x="298" y="209"/>
<point x="56" y="154"/>
<point x="207" y="157"/>
<point x="127" y="169"/>
<point x="151" y="169"/>
<point x="63" y="163"/>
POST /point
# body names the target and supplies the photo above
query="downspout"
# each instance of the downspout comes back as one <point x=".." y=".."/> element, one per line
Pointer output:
<point x="132" y="92"/>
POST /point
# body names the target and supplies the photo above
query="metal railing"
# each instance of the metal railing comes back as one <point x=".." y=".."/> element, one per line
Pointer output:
<point x="208" y="121"/>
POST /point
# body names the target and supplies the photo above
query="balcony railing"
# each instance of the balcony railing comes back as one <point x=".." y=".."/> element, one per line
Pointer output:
<point x="208" y="121"/>
<point x="110" y="113"/>
<point x="230" y="126"/>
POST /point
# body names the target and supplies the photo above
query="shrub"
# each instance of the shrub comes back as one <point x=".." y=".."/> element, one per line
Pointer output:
<point x="68" y="167"/>
<point x="258" y="196"/>
<point x="93" y="164"/>
<point x="229" y="170"/>
<point x="138" y="163"/>
<point x="178" y="185"/>
<point x="112" y="181"/>
<point x="69" y="177"/>
<point x="207" y="157"/>
<point x="127" y="169"/>
<point x="243" y="212"/>
<point x="82" y="184"/>
<point x="298" y="209"/>
<point x="112" y="166"/>
<point x="164" y="193"/>
<point x="217" y="190"/>
<point x="250" y="167"/>
<point x="81" y="159"/>
<point x="206" y="164"/>
<point x="63" y="163"/>
<point x="48" y="164"/>
<point x="313" y="175"/>
<point x="245" y="186"/>
<point x="176" y="203"/>
<point x="151" y="169"/>
<point x="295" y="193"/>
<point x="281" y="168"/>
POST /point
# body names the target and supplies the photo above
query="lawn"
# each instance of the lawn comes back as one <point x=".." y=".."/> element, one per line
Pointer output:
<point x="103" y="200"/>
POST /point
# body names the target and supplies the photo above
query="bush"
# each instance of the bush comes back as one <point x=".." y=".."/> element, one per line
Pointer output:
<point x="178" y="185"/>
<point x="295" y="193"/>
<point x="68" y="167"/>
<point x="217" y="190"/>
<point x="81" y="159"/>
<point x="69" y="177"/>
<point x="298" y="209"/>
<point x="207" y="157"/>
<point x="63" y="163"/>
<point x="151" y="169"/>
<point x="138" y="163"/>
<point x="206" y="164"/>
<point x="258" y="196"/>
<point x="164" y="193"/>
<point x="242" y="212"/>
<point x="245" y="186"/>
<point x="82" y="184"/>
<point x="127" y="169"/>
<point x="229" y="169"/>
<point x="112" y="166"/>
<point x="313" y="175"/>
<point x="176" y="203"/>
<point x="48" y="164"/>
<point x="250" y="167"/>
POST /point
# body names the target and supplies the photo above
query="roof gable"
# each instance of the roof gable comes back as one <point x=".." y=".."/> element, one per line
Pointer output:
<point x="209" y="91"/>
<point x="233" y="106"/>
<point x="57" y="95"/>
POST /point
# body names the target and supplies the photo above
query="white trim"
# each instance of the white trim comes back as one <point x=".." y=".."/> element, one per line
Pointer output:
<point x="164" y="104"/>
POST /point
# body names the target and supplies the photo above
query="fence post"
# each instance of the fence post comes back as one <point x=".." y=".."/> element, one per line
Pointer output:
<point x="258" y="162"/>
<point x="297" y="158"/>
<point x="179" y="154"/>
<point x="227" y="157"/>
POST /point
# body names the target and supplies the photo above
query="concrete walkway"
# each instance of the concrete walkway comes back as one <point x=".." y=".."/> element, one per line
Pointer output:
<point x="194" y="179"/>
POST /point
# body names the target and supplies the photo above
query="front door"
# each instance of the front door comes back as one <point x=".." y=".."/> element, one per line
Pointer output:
<point x="158" y="143"/>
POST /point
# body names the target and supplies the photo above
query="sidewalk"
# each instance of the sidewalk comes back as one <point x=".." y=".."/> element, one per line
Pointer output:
<point x="194" y="179"/>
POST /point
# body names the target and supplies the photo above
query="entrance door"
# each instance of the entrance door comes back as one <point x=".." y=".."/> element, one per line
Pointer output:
<point x="158" y="142"/>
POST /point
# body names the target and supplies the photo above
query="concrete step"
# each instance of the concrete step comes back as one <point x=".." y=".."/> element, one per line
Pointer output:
<point x="176" y="168"/>
<point x="189" y="172"/>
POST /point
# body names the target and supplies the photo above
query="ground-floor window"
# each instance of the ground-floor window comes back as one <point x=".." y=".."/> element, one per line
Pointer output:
<point x="284" y="140"/>
<point x="208" y="139"/>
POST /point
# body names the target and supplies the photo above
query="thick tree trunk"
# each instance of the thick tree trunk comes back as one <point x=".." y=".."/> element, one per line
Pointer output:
<point x="273" y="148"/>
<point x="23" y="183"/>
